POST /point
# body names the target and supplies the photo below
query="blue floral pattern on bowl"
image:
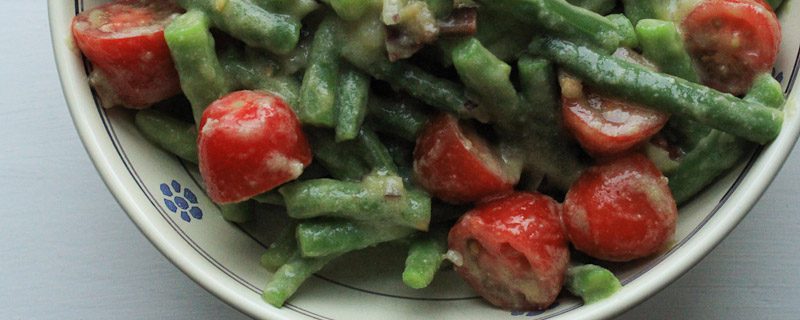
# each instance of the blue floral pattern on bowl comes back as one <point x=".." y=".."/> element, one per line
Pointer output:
<point x="181" y="200"/>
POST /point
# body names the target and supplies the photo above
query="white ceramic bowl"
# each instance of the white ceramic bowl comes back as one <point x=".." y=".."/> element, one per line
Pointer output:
<point x="223" y="257"/>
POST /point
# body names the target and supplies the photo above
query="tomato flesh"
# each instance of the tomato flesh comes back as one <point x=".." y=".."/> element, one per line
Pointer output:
<point x="732" y="41"/>
<point x="249" y="142"/>
<point x="456" y="165"/>
<point x="124" y="40"/>
<point x="620" y="210"/>
<point x="514" y="252"/>
<point x="606" y="126"/>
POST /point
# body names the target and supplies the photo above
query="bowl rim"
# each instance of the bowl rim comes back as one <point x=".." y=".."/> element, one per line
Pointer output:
<point x="743" y="195"/>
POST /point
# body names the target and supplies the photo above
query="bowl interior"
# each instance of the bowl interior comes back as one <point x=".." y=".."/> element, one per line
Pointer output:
<point x="223" y="257"/>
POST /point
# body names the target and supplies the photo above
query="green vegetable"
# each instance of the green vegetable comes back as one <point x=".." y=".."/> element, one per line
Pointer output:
<point x="192" y="48"/>
<point x="662" y="92"/>
<point x="294" y="8"/>
<point x="351" y="103"/>
<point x="560" y="18"/>
<point x="377" y="198"/>
<point x="258" y="73"/>
<point x="280" y="250"/>
<point x="719" y="151"/>
<point x="250" y="23"/>
<point x="662" y="45"/>
<point x="540" y="140"/>
<point x="402" y="118"/>
<point x="374" y="153"/>
<point x="318" y="92"/>
<point x="628" y="36"/>
<point x="592" y="283"/>
<point x="319" y="238"/>
<point x="599" y="6"/>
<point x="350" y="10"/>
<point x="342" y="160"/>
<point x="437" y="92"/>
<point x="239" y="212"/>
<point x="637" y="10"/>
<point x="290" y="276"/>
<point x="539" y="86"/>
<point x="425" y="256"/>
<point x="173" y="135"/>
<point x="489" y="78"/>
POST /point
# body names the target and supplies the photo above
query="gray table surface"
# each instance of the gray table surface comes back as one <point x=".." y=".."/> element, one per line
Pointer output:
<point x="68" y="251"/>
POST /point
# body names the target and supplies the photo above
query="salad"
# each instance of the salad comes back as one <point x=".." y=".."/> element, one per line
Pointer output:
<point x="496" y="137"/>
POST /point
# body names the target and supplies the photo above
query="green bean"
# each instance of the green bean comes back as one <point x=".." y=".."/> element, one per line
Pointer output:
<point x="237" y="212"/>
<point x="592" y="283"/>
<point x="637" y="10"/>
<point x="366" y="40"/>
<point x="318" y="238"/>
<point x="767" y="91"/>
<point x="253" y="25"/>
<point x="342" y="160"/>
<point x="539" y="86"/>
<point x="297" y="59"/>
<point x="280" y="250"/>
<point x="505" y="38"/>
<point x="662" y="44"/>
<point x="318" y="92"/>
<point x="350" y="10"/>
<point x="401" y="153"/>
<point x="173" y="135"/>
<point x="489" y="78"/>
<point x="437" y="92"/>
<point x="376" y="198"/>
<point x="425" y="256"/>
<point x="712" y="156"/>
<point x="258" y="73"/>
<point x="374" y="152"/>
<point x="551" y="154"/>
<point x="563" y="19"/>
<point x="719" y="151"/>
<point x="402" y="118"/>
<point x="192" y="48"/>
<point x="285" y="282"/>
<point x="626" y="31"/>
<point x="663" y="92"/>
<point x="544" y="146"/>
<point x="295" y="8"/>
<point x="351" y="103"/>
<point x="441" y="93"/>
<point x="600" y="6"/>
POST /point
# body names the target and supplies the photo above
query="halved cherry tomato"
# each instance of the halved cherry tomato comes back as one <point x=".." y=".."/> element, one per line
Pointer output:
<point x="602" y="125"/>
<point x="732" y="41"/>
<point x="514" y="251"/>
<point x="456" y="165"/>
<point x="620" y="210"/>
<point x="249" y="142"/>
<point x="124" y="40"/>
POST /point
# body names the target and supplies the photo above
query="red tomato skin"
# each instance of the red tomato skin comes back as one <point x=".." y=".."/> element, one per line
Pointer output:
<point x="514" y="251"/>
<point x="457" y="166"/>
<point x="605" y="126"/>
<point x="620" y="210"/>
<point x="249" y="142"/>
<point x="124" y="40"/>
<point x="732" y="41"/>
